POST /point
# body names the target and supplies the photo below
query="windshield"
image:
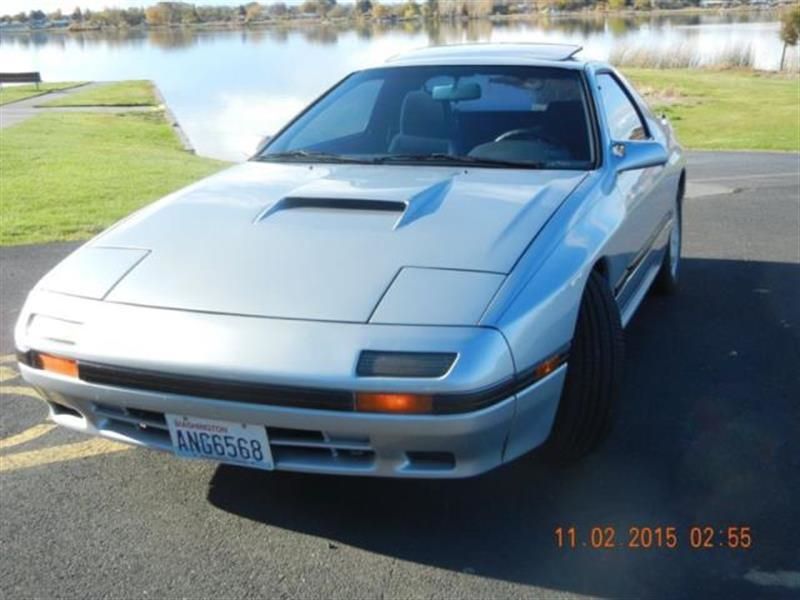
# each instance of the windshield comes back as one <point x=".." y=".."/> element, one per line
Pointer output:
<point x="530" y="117"/>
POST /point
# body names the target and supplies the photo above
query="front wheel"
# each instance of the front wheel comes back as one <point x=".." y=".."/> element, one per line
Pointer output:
<point x="594" y="375"/>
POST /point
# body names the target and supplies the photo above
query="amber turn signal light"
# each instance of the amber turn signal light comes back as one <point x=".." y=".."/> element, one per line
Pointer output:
<point x="57" y="364"/>
<point x="546" y="367"/>
<point x="393" y="403"/>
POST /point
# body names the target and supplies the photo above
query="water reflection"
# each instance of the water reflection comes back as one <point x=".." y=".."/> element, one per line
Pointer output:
<point x="170" y="38"/>
<point x="228" y="88"/>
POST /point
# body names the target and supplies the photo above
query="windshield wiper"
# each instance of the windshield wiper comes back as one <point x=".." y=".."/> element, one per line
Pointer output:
<point x="440" y="157"/>
<point x="436" y="157"/>
<point x="309" y="156"/>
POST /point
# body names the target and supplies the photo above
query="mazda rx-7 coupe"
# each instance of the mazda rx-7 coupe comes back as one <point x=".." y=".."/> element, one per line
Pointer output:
<point x="426" y="273"/>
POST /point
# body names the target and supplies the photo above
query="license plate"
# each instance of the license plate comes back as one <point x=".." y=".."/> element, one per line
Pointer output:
<point x="221" y="441"/>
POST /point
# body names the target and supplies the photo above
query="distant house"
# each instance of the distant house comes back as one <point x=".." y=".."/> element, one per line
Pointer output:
<point x="13" y="26"/>
<point x="59" y="23"/>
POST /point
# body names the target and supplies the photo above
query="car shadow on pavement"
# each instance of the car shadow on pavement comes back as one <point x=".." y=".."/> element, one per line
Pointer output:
<point x="707" y="435"/>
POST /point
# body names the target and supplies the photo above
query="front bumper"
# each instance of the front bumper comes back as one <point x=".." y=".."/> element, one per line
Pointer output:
<point x="287" y="353"/>
<point x="317" y="441"/>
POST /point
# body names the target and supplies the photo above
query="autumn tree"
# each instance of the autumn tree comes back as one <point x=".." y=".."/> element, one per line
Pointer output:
<point x="156" y="15"/>
<point x="379" y="11"/>
<point x="252" y="12"/>
<point x="187" y="13"/>
<point x="482" y="8"/>
<point x="411" y="10"/>
<point x="319" y="7"/>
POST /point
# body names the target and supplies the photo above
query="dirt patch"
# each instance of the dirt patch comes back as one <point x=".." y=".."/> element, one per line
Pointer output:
<point x="668" y="96"/>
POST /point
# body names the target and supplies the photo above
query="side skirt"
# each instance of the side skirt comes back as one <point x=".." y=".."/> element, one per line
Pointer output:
<point x="639" y="276"/>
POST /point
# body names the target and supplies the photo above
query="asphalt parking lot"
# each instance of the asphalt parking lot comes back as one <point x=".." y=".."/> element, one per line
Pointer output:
<point x="708" y="436"/>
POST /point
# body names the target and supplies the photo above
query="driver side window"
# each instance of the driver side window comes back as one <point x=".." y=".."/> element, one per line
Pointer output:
<point x="624" y="121"/>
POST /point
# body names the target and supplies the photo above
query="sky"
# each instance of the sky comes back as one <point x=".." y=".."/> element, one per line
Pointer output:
<point x="15" y="6"/>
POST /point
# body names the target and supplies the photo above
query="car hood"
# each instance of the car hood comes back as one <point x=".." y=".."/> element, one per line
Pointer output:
<point x="320" y="242"/>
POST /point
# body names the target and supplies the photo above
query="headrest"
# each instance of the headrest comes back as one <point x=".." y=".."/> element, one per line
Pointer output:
<point x="421" y="115"/>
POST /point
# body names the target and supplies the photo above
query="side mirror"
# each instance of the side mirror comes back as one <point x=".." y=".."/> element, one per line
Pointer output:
<point x="262" y="144"/>
<point x="632" y="155"/>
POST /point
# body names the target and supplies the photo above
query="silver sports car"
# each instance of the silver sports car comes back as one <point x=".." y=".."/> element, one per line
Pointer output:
<point x="425" y="274"/>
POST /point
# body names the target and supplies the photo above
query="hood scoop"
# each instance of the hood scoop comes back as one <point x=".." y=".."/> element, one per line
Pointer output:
<point x="343" y="204"/>
<point x="393" y="197"/>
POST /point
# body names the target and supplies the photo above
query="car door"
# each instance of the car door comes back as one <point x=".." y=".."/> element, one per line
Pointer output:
<point x="634" y="188"/>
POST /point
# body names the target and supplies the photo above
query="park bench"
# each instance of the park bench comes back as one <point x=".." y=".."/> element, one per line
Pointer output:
<point x="32" y="77"/>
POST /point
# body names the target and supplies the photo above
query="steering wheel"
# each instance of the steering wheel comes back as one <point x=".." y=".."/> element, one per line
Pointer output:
<point x="529" y="133"/>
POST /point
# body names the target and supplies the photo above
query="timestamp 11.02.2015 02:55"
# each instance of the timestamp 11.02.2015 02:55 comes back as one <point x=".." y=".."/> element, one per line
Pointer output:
<point x="696" y="537"/>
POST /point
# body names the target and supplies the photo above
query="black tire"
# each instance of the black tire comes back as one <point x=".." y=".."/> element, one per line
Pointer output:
<point x="594" y="374"/>
<point x="666" y="282"/>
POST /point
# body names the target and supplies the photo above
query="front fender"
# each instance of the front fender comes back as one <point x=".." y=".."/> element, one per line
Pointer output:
<point x="537" y="307"/>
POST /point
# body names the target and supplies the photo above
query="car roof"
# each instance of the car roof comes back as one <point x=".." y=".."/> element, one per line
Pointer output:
<point x="560" y="55"/>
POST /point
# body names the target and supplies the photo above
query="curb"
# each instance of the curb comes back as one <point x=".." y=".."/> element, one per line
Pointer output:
<point x="173" y="121"/>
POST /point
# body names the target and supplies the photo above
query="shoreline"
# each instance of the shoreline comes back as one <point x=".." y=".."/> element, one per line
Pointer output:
<point x="350" y="22"/>
<point x="172" y="120"/>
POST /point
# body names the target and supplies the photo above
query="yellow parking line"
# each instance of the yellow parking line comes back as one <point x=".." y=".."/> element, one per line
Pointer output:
<point x="56" y="454"/>
<point x="26" y="436"/>
<point x="7" y="373"/>
<point x="19" y="390"/>
<point x="8" y="358"/>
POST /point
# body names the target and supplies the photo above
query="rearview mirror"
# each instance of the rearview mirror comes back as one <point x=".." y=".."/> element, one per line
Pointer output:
<point x="638" y="154"/>
<point x="459" y="91"/>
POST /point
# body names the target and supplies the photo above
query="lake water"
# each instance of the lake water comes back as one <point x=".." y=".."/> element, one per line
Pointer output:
<point x="229" y="88"/>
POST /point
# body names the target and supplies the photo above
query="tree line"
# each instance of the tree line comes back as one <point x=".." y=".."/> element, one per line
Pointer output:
<point x="184" y="13"/>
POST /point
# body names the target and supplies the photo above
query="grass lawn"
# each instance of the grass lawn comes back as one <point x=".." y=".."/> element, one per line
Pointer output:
<point x="122" y="93"/>
<point x="725" y="110"/>
<point x="67" y="176"/>
<point x="12" y="93"/>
